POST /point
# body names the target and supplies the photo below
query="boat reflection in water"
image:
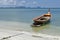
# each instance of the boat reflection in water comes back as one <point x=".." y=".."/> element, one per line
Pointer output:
<point x="41" y="28"/>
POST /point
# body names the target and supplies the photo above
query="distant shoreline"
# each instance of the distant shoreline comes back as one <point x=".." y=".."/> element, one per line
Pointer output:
<point x="29" y="8"/>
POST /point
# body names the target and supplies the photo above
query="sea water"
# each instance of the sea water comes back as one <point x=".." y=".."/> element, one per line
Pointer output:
<point x="22" y="19"/>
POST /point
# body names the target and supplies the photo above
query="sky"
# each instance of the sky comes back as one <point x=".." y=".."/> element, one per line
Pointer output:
<point x="30" y="3"/>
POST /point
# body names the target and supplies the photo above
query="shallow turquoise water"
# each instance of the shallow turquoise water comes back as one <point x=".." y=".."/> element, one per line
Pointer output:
<point x="21" y="19"/>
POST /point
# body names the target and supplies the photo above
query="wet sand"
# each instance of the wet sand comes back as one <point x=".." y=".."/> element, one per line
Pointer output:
<point x="23" y="35"/>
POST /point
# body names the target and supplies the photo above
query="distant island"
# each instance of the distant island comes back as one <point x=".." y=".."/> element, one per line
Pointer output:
<point x="22" y="7"/>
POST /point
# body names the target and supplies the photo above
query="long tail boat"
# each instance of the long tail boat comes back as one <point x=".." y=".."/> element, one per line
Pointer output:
<point x="45" y="18"/>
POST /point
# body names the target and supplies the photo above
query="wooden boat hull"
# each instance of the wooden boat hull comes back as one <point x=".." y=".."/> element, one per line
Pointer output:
<point x="41" y="20"/>
<point x="38" y="24"/>
<point x="44" y="19"/>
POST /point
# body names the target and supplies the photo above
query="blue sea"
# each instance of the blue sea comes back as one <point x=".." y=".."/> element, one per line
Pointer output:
<point x="21" y="19"/>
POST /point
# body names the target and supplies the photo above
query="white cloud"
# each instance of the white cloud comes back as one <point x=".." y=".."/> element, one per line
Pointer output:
<point x="29" y="3"/>
<point x="0" y="1"/>
<point x="21" y="3"/>
<point x="7" y="3"/>
<point x="18" y="3"/>
<point x="34" y="2"/>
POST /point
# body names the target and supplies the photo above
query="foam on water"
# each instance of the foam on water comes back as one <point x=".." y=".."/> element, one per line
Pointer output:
<point x="13" y="25"/>
<point x="41" y="35"/>
<point x="27" y="35"/>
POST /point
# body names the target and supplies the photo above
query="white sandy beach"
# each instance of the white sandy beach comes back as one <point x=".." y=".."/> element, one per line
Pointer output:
<point x="10" y="32"/>
<point x="22" y="35"/>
